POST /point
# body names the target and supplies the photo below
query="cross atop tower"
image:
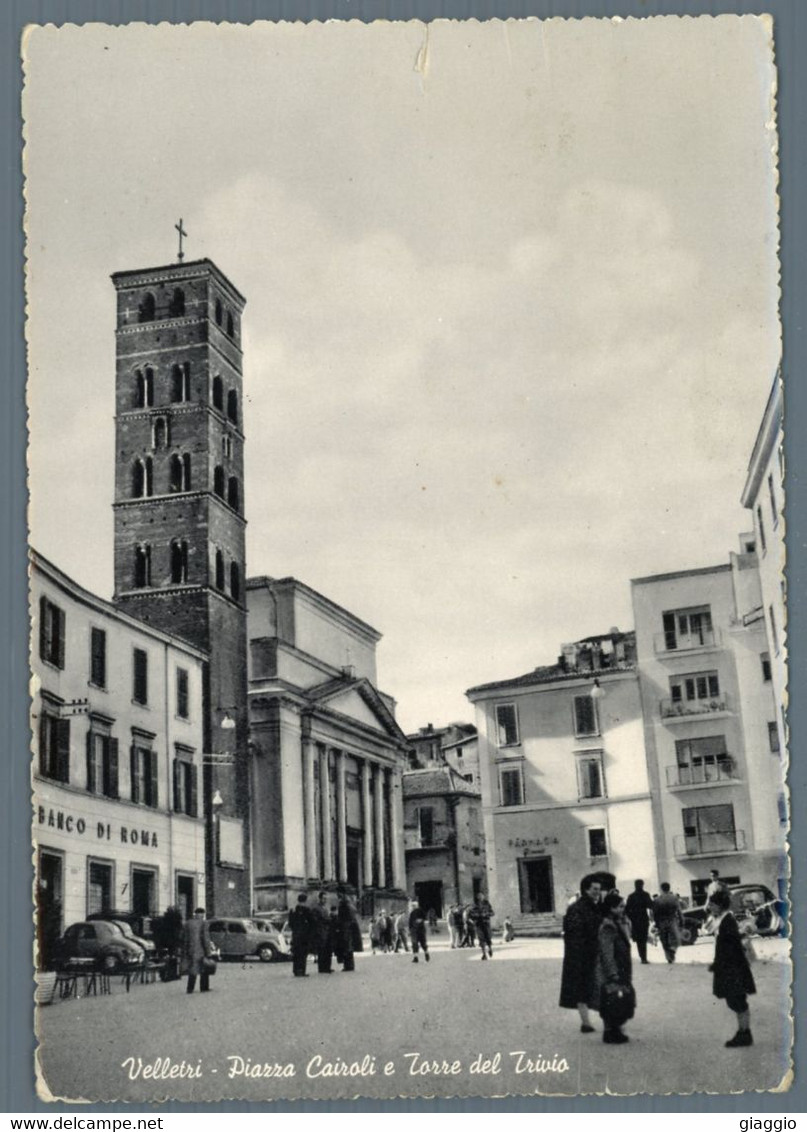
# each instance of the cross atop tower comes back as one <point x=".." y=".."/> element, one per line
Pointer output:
<point x="182" y="233"/>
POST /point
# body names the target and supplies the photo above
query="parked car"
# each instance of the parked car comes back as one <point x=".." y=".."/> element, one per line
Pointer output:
<point x="125" y="925"/>
<point x="279" y="921"/>
<point x="102" y="941"/>
<point x="241" y="938"/>
<point x="755" y="908"/>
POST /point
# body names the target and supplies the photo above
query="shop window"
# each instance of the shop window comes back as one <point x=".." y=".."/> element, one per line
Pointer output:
<point x="99" y="893"/>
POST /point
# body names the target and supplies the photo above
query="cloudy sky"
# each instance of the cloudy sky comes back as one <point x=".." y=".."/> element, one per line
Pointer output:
<point x="511" y="317"/>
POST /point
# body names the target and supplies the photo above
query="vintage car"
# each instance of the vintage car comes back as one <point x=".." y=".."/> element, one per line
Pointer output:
<point x="755" y="908"/>
<point x="127" y="927"/>
<point x="102" y="941"/>
<point x="242" y="938"/>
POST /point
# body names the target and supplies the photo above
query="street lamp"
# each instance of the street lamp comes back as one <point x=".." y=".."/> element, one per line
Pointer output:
<point x="596" y="692"/>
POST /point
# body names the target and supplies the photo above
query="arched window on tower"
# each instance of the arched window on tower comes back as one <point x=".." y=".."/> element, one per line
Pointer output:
<point x="179" y="561"/>
<point x="232" y="406"/>
<point x="147" y="308"/>
<point x="219" y="570"/>
<point x="142" y="565"/>
<point x="149" y="386"/>
<point x="186" y="471"/>
<point x="235" y="582"/>
<point x="177" y="307"/>
<point x="218" y="394"/>
<point x="230" y="329"/>
<point x="233" y="494"/>
<point x="218" y="480"/>
<point x="218" y="312"/>
<point x="160" y="437"/>
<point x="181" y="382"/>
<point x="139" y="390"/>
<point x="175" y="474"/>
<point x="138" y="480"/>
<point x="148" y="486"/>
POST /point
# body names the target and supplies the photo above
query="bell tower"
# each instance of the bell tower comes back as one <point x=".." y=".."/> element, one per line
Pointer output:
<point x="179" y="519"/>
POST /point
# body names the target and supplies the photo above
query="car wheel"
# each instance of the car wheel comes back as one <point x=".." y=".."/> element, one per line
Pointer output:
<point x="267" y="953"/>
<point x="689" y="933"/>
<point x="110" y="963"/>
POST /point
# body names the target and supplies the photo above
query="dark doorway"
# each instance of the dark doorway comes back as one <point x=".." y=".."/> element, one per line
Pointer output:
<point x="99" y="887"/>
<point x="143" y="892"/>
<point x="429" y="894"/>
<point x="185" y="898"/>
<point x="354" y="863"/>
<point x="535" y="885"/>
<point x="49" y="906"/>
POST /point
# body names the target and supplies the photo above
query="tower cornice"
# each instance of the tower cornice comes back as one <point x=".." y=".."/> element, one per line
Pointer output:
<point x="177" y="272"/>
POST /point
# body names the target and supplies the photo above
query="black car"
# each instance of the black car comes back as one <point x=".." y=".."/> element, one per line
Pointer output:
<point x="754" y="906"/>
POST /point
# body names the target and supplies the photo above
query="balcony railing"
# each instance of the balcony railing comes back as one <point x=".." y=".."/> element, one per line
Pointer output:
<point x="672" y="710"/>
<point x="673" y="642"/>
<point x="709" y="844"/>
<point x="703" y="774"/>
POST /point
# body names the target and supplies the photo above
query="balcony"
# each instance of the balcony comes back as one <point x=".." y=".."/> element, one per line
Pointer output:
<point x="674" y="644"/>
<point x="703" y="774"/>
<point x="714" y="844"/>
<point x="684" y="711"/>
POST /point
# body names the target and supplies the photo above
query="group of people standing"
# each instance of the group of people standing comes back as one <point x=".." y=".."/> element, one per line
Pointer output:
<point x="597" y="969"/>
<point x="327" y="932"/>
<point x="470" y="923"/>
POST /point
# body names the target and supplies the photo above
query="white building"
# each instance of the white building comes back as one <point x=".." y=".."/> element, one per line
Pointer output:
<point x="713" y="747"/>
<point x="564" y="779"/>
<point x="116" y="776"/>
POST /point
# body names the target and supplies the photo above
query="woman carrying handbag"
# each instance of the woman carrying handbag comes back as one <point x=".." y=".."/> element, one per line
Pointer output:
<point x="617" y="996"/>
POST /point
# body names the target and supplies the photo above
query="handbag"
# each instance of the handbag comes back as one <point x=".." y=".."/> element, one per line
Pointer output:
<point x="208" y="965"/>
<point x="617" y="1002"/>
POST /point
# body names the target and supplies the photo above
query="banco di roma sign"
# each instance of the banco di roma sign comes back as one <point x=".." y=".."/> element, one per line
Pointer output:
<point x="102" y="830"/>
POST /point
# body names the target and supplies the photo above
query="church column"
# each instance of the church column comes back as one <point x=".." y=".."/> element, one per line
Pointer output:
<point x="309" y="814"/>
<point x="396" y="829"/>
<point x="378" y="784"/>
<point x="325" y="800"/>
<point x="367" y="823"/>
<point x="341" y="816"/>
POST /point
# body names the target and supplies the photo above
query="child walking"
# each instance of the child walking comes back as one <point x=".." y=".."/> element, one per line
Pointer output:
<point x="732" y="980"/>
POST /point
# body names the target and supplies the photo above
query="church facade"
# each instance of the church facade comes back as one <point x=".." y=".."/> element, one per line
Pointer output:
<point x="328" y="756"/>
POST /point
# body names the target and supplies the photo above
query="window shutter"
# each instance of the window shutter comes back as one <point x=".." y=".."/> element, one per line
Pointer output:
<point x="43" y="743"/>
<point x="111" y="769"/>
<point x="153" y="799"/>
<point x="194" y="801"/>
<point x="63" y="750"/>
<point x="43" y="628"/>
<point x="60" y="656"/>
<point x="133" y="771"/>
<point x="177" y="786"/>
<point x="91" y="784"/>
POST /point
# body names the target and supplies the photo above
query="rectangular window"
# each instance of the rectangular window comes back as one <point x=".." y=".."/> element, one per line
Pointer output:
<point x="99" y="890"/>
<point x="185" y="786"/>
<point x="51" y="633"/>
<point x="597" y="842"/>
<point x="709" y="829"/>
<point x="98" y="657"/>
<point x="506" y="725"/>
<point x="772" y="497"/>
<point x="773" y="737"/>
<point x="688" y="628"/>
<point x="426" y="825"/>
<point x="761" y="529"/>
<point x="765" y="661"/>
<point x="143" y="775"/>
<point x="590" y="781"/>
<point x="140" y="690"/>
<point x="698" y="686"/>
<point x="54" y="747"/>
<point x="102" y="764"/>
<point x="511" y="786"/>
<point x="182" y="693"/>
<point x="703" y="759"/>
<point x="585" y="716"/>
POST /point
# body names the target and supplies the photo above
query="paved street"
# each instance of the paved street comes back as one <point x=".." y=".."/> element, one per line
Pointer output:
<point x="447" y="1012"/>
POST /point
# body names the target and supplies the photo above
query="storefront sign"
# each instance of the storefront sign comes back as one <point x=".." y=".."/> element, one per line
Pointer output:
<point x="535" y="843"/>
<point x="104" y="831"/>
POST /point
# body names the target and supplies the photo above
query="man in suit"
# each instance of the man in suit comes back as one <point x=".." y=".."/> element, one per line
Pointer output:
<point x="638" y="908"/>
<point x="196" y="948"/>
<point x="303" y="929"/>
<point x="322" y="921"/>
<point x="668" y="918"/>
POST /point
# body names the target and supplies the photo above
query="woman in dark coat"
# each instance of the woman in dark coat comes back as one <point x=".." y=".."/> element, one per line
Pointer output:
<point x="581" y="926"/>
<point x="614" y="968"/>
<point x="732" y="978"/>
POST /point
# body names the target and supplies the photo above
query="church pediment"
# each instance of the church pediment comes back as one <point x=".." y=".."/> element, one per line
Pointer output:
<point x="359" y="701"/>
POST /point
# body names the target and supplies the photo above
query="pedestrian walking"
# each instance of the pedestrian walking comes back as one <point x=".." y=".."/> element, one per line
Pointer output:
<point x="732" y="978"/>
<point x="668" y="919"/>
<point x="303" y="935"/>
<point x="322" y="934"/>
<point x="401" y="936"/>
<point x="639" y="908"/>
<point x="581" y="927"/>
<point x="197" y="950"/>
<point x="480" y="915"/>
<point x="617" y="998"/>
<point x="417" y="931"/>
<point x="349" y="931"/>
<point x="468" y="929"/>
<point x="455" y="925"/>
